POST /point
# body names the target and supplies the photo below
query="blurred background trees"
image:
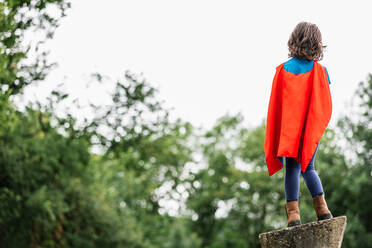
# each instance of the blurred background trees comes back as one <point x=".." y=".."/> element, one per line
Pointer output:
<point x="155" y="182"/>
<point x="24" y="26"/>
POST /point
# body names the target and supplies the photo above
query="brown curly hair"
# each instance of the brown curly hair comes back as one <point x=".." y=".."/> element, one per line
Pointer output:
<point x="305" y="42"/>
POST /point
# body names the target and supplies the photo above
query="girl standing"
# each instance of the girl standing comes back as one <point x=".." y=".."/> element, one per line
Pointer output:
<point x="300" y="109"/>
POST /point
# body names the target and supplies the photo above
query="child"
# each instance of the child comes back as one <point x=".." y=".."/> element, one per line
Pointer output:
<point x="300" y="108"/>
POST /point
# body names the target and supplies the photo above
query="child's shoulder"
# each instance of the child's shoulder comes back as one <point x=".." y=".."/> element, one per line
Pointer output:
<point x="325" y="68"/>
<point x="298" y="66"/>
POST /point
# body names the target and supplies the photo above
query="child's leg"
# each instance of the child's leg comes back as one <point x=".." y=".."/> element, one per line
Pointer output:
<point x="315" y="188"/>
<point x="312" y="179"/>
<point x="292" y="179"/>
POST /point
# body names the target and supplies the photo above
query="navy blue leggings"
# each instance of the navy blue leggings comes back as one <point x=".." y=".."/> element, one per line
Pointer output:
<point x="292" y="179"/>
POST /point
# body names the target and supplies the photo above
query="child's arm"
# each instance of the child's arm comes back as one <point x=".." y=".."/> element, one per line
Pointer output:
<point x="329" y="81"/>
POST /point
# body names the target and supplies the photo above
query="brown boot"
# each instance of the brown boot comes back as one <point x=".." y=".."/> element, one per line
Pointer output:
<point x="321" y="209"/>
<point x="293" y="213"/>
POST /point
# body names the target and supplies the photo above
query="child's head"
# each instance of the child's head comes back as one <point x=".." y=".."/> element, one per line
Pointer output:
<point x="305" y="42"/>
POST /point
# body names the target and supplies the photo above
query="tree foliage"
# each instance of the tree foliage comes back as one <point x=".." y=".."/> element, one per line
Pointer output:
<point x="24" y="26"/>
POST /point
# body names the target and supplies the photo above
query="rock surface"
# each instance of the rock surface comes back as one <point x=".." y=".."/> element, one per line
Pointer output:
<point x="320" y="234"/>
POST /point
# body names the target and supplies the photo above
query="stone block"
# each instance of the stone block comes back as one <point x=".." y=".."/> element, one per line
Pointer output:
<point x="319" y="234"/>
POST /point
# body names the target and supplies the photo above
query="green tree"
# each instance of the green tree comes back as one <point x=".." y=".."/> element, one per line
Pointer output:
<point x="143" y="150"/>
<point x="21" y="21"/>
<point x="40" y="174"/>
<point x="354" y="187"/>
<point x="232" y="196"/>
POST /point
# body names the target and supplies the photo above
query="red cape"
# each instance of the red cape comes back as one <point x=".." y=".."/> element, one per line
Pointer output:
<point x="300" y="109"/>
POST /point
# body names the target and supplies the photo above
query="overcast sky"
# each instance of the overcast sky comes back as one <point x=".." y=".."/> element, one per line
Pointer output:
<point x="207" y="57"/>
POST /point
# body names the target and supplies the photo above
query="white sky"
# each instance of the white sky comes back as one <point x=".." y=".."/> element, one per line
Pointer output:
<point x="206" y="57"/>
